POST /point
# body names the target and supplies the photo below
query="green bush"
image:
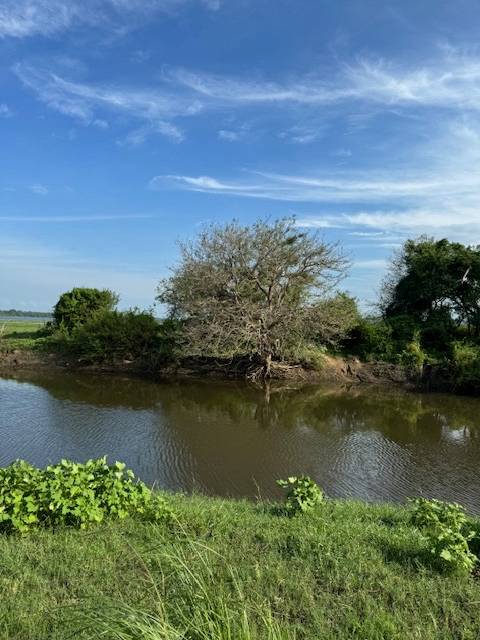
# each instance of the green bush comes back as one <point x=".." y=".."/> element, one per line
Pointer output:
<point x="79" y="305"/>
<point x="445" y="527"/>
<point x="438" y="330"/>
<point x="465" y="366"/>
<point x="72" y="494"/>
<point x="413" y="357"/>
<point x="303" y="494"/>
<point x="372" y="339"/>
<point x="310" y="356"/>
<point x="120" y="335"/>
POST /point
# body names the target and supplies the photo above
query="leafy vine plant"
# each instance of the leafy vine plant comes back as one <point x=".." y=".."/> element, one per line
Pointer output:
<point x="302" y="494"/>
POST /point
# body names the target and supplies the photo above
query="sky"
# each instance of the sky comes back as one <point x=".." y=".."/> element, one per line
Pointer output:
<point x="129" y="125"/>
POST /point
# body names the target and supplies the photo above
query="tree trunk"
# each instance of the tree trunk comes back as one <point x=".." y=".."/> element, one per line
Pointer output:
<point x="267" y="367"/>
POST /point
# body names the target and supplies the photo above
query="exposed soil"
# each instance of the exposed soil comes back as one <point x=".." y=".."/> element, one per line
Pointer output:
<point x="336" y="369"/>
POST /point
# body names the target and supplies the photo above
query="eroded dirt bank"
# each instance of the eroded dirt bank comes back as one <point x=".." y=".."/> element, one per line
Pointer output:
<point x="335" y="369"/>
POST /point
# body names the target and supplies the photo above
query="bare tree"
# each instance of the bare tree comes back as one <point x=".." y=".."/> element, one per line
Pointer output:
<point x="251" y="289"/>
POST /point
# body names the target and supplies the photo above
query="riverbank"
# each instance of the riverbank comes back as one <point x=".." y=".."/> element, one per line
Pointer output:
<point x="344" y="571"/>
<point x="24" y="347"/>
<point x="24" y="353"/>
<point x="334" y="369"/>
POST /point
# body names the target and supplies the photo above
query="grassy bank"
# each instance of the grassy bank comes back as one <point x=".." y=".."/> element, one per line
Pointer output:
<point x="235" y="571"/>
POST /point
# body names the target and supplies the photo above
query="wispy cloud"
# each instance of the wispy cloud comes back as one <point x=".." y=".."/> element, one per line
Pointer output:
<point x="301" y="135"/>
<point x="437" y="192"/>
<point x="451" y="82"/>
<point x="23" y="18"/>
<point x="354" y="187"/>
<point x="371" y="264"/>
<point x="435" y="205"/>
<point x="228" y="135"/>
<point x="38" y="189"/>
<point x="152" y="107"/>
<point x="5" y="111"/>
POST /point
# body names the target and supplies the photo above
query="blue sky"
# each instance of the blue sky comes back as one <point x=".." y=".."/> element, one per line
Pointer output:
<point x="126" y="125"/>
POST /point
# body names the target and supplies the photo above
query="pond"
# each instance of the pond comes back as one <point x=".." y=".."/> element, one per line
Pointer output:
<point x="233" y="439"/>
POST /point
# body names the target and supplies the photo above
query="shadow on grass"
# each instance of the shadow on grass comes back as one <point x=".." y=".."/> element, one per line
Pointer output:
<point x="408" y="556"/>
<point x="277" y="510"/>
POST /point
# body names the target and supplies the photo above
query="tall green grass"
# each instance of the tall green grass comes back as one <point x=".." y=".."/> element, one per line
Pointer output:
<point x="204" y="608"/>
<point x="236" y="570"/>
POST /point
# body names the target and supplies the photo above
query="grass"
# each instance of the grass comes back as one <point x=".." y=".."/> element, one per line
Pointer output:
<point x="23" y="334"/>
<point x="228" y="570"/>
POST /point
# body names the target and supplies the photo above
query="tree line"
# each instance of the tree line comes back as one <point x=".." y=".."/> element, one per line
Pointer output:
<point x="268" y="294"/>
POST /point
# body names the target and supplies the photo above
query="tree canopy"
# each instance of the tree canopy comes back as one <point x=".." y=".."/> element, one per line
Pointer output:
<point x="77" y="306"/>
<point x="435" y="280"/>
<point x="255" y="289"/>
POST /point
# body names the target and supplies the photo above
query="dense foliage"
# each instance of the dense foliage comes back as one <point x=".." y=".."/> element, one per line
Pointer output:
<point x="434" y="287"/>
<point x="448" y="533"/>
<point x="77" y="306"/>
<point x="435" y="282"/>
<point x="430" y="314"/>
<point x="111" y="336"/>
<point x="72" y="494"/>
<point x="465" y="366"/>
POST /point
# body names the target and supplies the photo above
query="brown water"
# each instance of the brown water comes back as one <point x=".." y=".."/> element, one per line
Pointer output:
<point x="229" y="438"/>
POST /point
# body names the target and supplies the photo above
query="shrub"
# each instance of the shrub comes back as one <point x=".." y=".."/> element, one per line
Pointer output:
<point x="115" y="335"/>
<point x="310" y="356"/>
<point x="413" y="357"/>
<point x="444" y="525"/>
<point x="77" y="306"/>
<point x="73" y="494"/>
<point x="465" y="366"/>
<point x="372" y="339"/>
<point x="438" y="330"/>
<point x="302" y="494"/>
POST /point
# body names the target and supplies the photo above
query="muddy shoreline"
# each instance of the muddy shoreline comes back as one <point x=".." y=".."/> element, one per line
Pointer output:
<point x="335" y="369"/>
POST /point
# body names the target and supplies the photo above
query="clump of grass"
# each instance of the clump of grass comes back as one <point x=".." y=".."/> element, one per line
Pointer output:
<point x="204" y="608"/>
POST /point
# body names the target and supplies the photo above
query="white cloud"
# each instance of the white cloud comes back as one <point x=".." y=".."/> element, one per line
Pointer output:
<point x="343" y="153"/>
<point x="436" y="192"/>
<point x="320" y="222"/>
<point x="229" y="136"/>
<point x="82" y="101"/>
<point x="367" y="234"/>
<point x="329" y="188"/>
<point x="451" y="80"/>
<point x="301" y="135"/>
<point x="450" y="83"/>
<point x="38" y="189"/>
<point x="5" y="111"/>
<point x="371" y="264"/>
<point x="101" y="124"/>
<point x="23" y="18"/>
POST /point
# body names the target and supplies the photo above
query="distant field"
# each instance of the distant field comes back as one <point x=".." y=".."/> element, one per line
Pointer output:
<point x="22" y="320"/>
<point x="20" y="326"/>
<point x="18" y="334"/>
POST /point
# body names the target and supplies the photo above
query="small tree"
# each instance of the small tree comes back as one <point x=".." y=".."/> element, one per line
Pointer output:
<point x="251" y="289"/>
<point x="77" y="306"/>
